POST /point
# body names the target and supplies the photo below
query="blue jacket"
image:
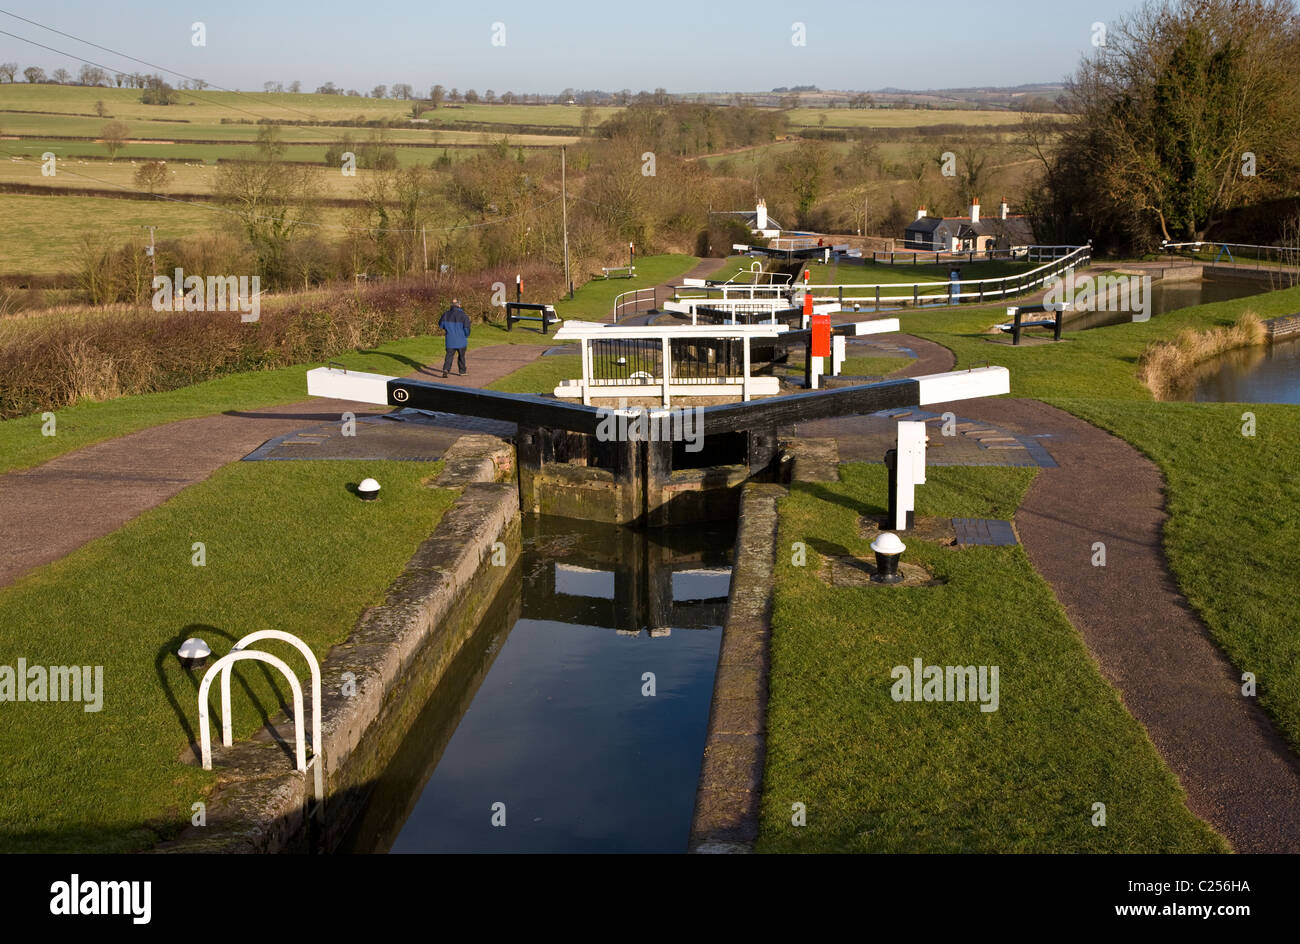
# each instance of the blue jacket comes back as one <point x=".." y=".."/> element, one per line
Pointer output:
<point x="455" y="323"/>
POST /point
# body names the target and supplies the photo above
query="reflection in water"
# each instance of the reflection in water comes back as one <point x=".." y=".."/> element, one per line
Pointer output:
<point x="1251" y="375"/>
<point x="547" y="715"/>
<point x="1170" y="296"/>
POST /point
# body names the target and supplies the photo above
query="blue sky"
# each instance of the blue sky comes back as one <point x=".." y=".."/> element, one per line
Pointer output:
<point x="636" y="44"/>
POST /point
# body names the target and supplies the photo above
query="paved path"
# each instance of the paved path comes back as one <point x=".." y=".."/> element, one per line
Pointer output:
<point x="55" y="508"/>
<point x="1238" y="772"/>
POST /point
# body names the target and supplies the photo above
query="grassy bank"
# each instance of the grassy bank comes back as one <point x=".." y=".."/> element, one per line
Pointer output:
<point x="22" y="444"/>
<point x="1100" y="362"/>
<point x="595" y="300"/>
<point x="879" y="775"/>
<point x="1231" y="498"/>
<point x="126" y="601"/>
<point x="1166" y="366"/>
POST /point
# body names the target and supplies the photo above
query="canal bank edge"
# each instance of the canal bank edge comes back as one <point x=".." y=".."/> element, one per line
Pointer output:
<point x="727" y="798"/>
<point x="260" y="805"/>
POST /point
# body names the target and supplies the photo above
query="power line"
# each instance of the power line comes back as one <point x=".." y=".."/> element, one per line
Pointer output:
<point x="143" y="62"/>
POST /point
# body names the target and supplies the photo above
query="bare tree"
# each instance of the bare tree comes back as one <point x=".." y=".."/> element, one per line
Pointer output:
<point x="402" y="90"/>
<point x="62" y="76"/>
<point x="271" y="199"/>
<point x="379" y="91"/>
<point x="295" y="86"/>
<point x="91" y="75"/>
<point x="8" y="70"/>
<point x="436" y="95"/>
<point x="34" y="75"/>
<point x="114" y="136"/>
<point x="152" y="176"/>
<point x="1166" y="113"/>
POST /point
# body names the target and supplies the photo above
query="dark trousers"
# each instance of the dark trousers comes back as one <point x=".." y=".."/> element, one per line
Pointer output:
<point x="460" y="356"/>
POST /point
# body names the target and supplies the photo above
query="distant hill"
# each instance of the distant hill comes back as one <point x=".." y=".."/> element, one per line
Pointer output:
<point x="1036" y="96"/>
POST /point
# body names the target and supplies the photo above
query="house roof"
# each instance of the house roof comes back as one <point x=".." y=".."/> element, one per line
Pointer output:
<point x="749" y="217"/>
<point x="926" y="224"/>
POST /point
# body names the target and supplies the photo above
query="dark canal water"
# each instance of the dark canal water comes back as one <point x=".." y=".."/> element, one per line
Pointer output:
<point x="545" y="709"/>
<point x="1268" y="374"/>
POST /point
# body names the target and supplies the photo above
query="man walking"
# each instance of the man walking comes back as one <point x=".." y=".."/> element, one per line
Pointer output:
<point x="455" y="325"/>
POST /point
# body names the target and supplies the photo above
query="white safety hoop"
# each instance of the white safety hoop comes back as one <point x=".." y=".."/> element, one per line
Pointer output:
<point x="315" y="682"/>
<point x="222" y="665"/>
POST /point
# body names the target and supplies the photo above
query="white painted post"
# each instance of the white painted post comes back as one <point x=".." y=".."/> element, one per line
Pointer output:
<point x="744" y="381"/>
<point x="839" y="347"/>
<point x="586" y="371"/>
<point x="667" y="352"/>
<point x="910" y="470"/>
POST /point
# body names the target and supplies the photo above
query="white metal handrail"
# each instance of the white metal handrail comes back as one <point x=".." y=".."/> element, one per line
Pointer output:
<point x="637" y="297"/>
<point x="1285" y="254"/>
<point x="980" y="289"/>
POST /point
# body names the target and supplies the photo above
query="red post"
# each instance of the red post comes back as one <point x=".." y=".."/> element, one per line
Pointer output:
<point x="821" y="336"/>
<point x="807" y="303"/>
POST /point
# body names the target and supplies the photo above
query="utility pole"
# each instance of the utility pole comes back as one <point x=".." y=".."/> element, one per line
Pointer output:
<point x="153" y="258"/>
<point x="564" y="215"/>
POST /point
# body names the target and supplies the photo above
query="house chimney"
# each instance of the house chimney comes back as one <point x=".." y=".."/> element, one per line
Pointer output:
<point x="920" y="213"/>
<point x="760" y="214"/>
<point x="975" y="211"/>
<point x="1002" y="209"/>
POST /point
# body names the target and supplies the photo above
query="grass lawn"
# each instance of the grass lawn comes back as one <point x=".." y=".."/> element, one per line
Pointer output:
<point x="1099" y="362"/>
<point x="595" y="300"/>
<point x="22" y="445"/>
<point x="113" y="780"/>
<point x="879" y="775"/>
<point x="541" y="376"/>
<point x="864" y="366"/>
<point x="1251" y="610"/>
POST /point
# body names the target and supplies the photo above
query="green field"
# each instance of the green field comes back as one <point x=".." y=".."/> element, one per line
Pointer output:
<point x="207" y="108"/>
<point x="22" y="445"/>
<point x="900" y="117"/>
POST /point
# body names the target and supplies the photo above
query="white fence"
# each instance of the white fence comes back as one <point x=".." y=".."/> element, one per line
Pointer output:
<point x="952" y="292"/>
<point x="686" y="360"/>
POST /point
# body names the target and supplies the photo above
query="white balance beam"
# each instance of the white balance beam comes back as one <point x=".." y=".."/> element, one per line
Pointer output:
<point x="348" y="385"/>
<point x="963" y="385"/>
<point x="881" y="326"/>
